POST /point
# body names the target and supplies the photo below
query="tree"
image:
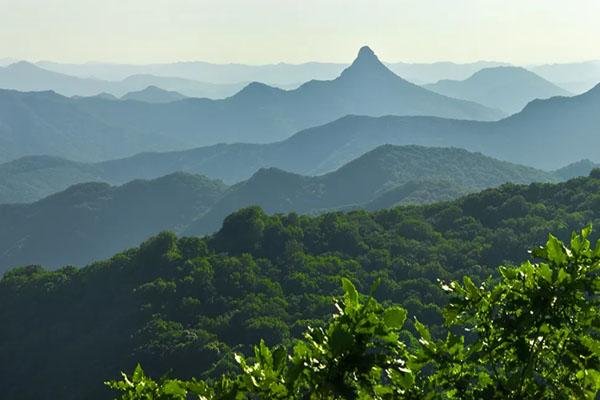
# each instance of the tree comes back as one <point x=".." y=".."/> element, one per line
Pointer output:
<point x="531" y="334"/>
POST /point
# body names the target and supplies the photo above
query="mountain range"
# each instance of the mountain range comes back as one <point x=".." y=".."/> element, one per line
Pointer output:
<point x="572" y="76"/>
<point x="94" y="129"/>
<point x="89" y="221"/>
<point x="153" y="94"/>
<point x="506" y="88"/>
<point x="26" y="77"/>
<point x="576" y="77"/>
<point x="567" y="127"/>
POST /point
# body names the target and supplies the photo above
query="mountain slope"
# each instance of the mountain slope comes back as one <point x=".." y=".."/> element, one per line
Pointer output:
<point x="505" y="88"/>
<point x="576" y="77"/>
<point x="92" y="220"/>
<point x="153" y="94"/>
<point x="364" y="179"/>
<point x="31" y="178"/>
<point x="567" y="128"/>
<point x="257" y="114"/>
<point x="547" y="134"/>
<point x="180" y="306"/>
<point x="27" y="77"/>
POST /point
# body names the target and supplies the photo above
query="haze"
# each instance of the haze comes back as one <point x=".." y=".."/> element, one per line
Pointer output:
<point x="267" y="31"/>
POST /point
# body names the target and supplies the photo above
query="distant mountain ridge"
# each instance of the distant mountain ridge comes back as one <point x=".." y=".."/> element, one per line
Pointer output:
<point x="153" y="94"/>
<point x="93" y="220"/>
<point x="257" y="114"/>
<point x="567" y="128"/>
<point x="27" y="77"/>
<point x="364" y="180"/>
<point x="505" y="88"/>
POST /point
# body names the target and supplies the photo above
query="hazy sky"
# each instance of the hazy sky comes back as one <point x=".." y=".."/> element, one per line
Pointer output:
<point x="265" y="31"/>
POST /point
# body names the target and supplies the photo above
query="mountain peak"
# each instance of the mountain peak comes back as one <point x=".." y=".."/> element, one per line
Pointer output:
<point x="365" y="52"/>
<point x="366" y="64"/>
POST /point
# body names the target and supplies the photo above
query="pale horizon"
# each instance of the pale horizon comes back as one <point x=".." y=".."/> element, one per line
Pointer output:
<point x="259" y="32"/>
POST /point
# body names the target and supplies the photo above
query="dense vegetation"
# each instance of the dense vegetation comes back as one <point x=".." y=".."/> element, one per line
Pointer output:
<point x="531" y="336"/>
<point x="182" y="305"/>
<point x="95" y="220"/>
<point x="88" y="222"/>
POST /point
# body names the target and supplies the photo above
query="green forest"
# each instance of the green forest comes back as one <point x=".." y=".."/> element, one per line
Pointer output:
<point x="253" y="303"/>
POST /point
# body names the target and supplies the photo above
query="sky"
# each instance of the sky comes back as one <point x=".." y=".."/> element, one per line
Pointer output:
<point x="270" y="31"/>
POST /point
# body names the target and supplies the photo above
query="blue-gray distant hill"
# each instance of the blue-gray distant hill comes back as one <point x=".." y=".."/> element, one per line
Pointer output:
<point x="153" y="94"/>
<point x="380" y="172"/>
<point x="27" y="77"/>
<point x="506" y="88"/>
<point x="93" y="220"/>
<point x="577" y="77"/>
<point x="93" y="129"/>
<point x="547" y="134"/>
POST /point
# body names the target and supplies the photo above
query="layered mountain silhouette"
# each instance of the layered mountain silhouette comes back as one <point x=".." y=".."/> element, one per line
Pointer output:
<point x="576" y="77"/>
<point x="259" y="114"/>
<point x="90" y="221"/>
<point x="506" y="88"/>
<point x="93" y="220"/>
<point x="26" y="77"/>
<point x="153" y="94"/>
<point x="365" y="179"/>
<point x="424" y="73"/>
<point x="547" y="134"/>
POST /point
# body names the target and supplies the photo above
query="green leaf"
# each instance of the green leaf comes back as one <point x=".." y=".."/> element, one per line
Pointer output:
<point x="471" y="288"/>
<point x="423" y="331"/>
<point x="173" y="388"/>
<point x="350" y="292"/>
<point x="556" y="251"/>
<point x="394" y="317"/>
<point x="563" y="275"/>
<point x="545" y="272"/>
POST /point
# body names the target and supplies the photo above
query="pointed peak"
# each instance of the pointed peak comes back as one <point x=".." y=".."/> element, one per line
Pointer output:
<point x="366" y="65"/>
<point x="365" y="52"/>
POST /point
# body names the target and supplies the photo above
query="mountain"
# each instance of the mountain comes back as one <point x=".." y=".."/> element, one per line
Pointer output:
<point x="153" y="94"/>
<point x="575" y="77"/>
<point x="418" y="192"/>
<point x="183" y="306"/>
<point x="46" y="123"/>
<point x="258" y="114"/>
<point x="579" y="168"/>
<point x="98" y="218"/>
<point x="424" y="73"/>
<point x="276" y="74"/>
<point x="565" y="125"/>
<point x="506" y="88"/>
<point x="93" y="220"/>
<point x="187" y="87"/>
<point x="26" y="77"/>
<point x="31" y="178"/>
<point x="280" y="74"/>
<point x="365" y="179"/>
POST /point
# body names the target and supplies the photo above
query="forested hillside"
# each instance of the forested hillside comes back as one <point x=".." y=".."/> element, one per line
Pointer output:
<point x="94" y="220"/>
<point x="97" y="220"/>
<point x="181" y="305"/>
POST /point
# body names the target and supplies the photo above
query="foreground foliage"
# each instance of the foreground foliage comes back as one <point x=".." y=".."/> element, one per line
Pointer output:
<point x="531" y="335"/>
<point x="182" y="307"/>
